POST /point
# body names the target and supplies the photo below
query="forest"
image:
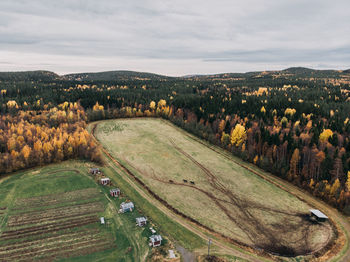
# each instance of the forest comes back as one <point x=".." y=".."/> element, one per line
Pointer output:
<point x="294" y="123"/>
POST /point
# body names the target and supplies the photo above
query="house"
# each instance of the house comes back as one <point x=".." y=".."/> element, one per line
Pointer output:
<point x="105" y="181"/>
<point x="141" y="221"/>
<point x="155" y="240"/>
<point x="126" y="207"/>
<point x="318" y="215"/>
<point x="102" y="219"/>
<point x="94" y="171"/>
<point x="115" y="192"/>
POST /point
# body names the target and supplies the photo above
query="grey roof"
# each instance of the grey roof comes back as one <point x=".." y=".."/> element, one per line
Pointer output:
<point x="318" y="213"/>
<point x="105" y="179"/>
<point x="155" y="238"/>
<point x="102" y="220"/>
<point x="115" y="190"/>
<point x="141" y="219"/>
<point x="127" y="205"/>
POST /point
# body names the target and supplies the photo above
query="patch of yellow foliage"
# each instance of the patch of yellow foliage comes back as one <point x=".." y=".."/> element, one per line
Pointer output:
<point x="325" y="135"/>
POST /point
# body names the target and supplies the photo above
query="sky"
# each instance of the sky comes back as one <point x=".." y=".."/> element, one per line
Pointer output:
<point x="178" y="37"/>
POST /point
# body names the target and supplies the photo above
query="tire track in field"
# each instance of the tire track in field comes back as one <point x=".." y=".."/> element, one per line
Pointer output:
<point x="320" y="252"/>
<point x="176" y="215"/>
<point x="262" y="236"/>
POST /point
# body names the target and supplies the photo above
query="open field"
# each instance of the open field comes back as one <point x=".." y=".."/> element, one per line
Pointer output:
<point x="52" y="213"/>
<point x="222" y="196"/>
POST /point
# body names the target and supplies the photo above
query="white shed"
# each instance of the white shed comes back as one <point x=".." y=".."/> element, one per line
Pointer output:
<point x="126" y="207"/>
<point x="155" y="240"/>
<point x="141" y="221"/>
<point x="105" y="181"/>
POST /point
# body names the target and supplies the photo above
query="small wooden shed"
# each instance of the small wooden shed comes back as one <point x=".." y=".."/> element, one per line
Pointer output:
<point x="115" y="192"/>
<point x="105" y="181"/>
<point x="94" y="171"/>
<point x="141" y="221"/>
<point x="126" y="207"/>
<point x="155" y="240"/>
<point x="318" y="215"/>
<point x="102" y="220"/>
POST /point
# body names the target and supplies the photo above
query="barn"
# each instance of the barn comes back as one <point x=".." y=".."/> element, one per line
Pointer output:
<point x="141" y="221"/>
<point x="318" y="215"/>
<point x="126" y="207"/>
<point x="115" y="192"/>
<point x="155" y="240"/>
<point x="105" y="181"/>
<point x="94" y="171"/>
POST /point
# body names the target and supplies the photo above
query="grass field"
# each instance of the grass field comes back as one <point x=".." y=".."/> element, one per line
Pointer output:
<point x="218" y="193"/>
<point x="52" y="213"/>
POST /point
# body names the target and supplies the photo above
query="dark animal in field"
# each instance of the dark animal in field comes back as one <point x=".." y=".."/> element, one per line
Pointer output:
<point x="192" y="182"/>
<point x="185" y="180"/>
<point x="171" y="181"/>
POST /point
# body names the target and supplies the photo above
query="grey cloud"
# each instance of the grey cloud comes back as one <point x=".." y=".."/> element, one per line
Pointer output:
<point x="203" y="34"/>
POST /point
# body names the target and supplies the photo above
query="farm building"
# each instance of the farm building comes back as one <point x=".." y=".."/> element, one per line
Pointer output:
<point x="94" y="171"/>
<point x="126" y="207"/>
<point x="141" y="221"/>
<point x="155" y="240"/>
<point x="115" y="192"/>
<point x="318" y="215"/>
<point x="102" y="219"/>
<point x="105" y="181"/>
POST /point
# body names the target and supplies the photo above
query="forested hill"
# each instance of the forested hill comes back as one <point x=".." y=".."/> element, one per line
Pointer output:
<point x="291" y="73"/>
<point x="122" y="75"/>
<point x="115" y="76"/>
<point x="39" y="75"/>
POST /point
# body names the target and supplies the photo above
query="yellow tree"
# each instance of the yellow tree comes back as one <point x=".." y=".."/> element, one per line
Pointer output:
<point x="152" y="105"/>
<point x="335" y="187"/>
<point x="222" y="126"/>
<point x="293" y="169"/>
<point x="161" y="103"/>
<point x="26" y="152"/>
<point x="325" y="135"/>
<point x="348" y="182"/>
<point x="238" y="135"/>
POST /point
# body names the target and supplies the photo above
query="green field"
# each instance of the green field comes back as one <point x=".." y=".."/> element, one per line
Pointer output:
<point x="218" y="193"/>
<point x="52" y="213"/>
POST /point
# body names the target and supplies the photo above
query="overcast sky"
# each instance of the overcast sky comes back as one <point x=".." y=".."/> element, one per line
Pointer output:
<point x="175" y="37"/>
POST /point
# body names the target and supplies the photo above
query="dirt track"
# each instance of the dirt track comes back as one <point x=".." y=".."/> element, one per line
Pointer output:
<point x="261" y="234"/>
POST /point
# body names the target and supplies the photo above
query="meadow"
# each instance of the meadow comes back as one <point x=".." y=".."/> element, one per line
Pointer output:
<point x="212" y="189"/>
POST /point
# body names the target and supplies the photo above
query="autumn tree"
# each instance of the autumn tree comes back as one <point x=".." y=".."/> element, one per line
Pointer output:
<point x="238" y="135"/>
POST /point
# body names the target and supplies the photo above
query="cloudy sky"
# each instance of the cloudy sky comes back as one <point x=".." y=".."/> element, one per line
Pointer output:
<point x="175" y="37"/>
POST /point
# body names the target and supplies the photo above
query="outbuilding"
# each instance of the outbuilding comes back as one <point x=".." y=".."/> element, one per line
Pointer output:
<point x="94" y="171"/>
<point x="155" y="240"/>
<point x="105" y="181"/>
<point x="141" y="221"/>
<point x="102" y="219"/>
<point x="126" y="207"/>
<point x="115" y="192"/>
<point x="318" y="215"/>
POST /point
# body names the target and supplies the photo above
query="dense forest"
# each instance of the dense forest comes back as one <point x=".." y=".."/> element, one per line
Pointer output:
<point x="293" y="123"/>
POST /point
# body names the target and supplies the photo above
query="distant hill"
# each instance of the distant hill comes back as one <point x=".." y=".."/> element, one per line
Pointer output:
<point x="28" y="76"/>
<point x="299" y="72"/>
<point x="115" y="76"/>
<point x="123" y="75"/>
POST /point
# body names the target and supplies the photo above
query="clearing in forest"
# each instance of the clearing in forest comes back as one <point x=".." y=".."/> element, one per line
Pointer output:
<point x="212" y="189"/>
